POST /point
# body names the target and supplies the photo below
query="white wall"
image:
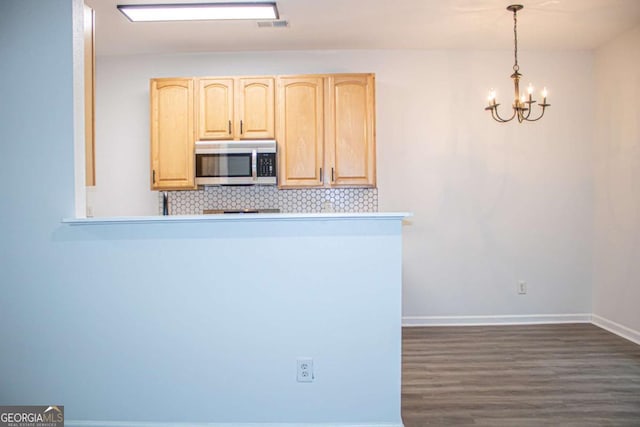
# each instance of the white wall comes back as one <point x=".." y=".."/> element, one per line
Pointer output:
<point x="616" y="293"/>
<point x="174" y="323"/>
<point x="493" y="203"/>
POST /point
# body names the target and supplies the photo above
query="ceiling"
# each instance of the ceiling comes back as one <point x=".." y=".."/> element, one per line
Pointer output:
<point x="375" y="24"/>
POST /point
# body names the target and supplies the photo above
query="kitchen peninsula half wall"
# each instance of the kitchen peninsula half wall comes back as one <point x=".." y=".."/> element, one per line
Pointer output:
<point x="208" y="316"/>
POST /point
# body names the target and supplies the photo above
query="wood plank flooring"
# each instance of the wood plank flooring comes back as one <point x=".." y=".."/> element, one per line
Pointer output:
<point x="519" y="376"/>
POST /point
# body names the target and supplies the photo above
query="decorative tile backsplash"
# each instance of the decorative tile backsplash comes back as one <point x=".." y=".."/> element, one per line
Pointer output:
<point x="270" y="197"/>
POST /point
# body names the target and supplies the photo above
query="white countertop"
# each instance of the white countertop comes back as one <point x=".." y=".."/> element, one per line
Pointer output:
<point x="238" y="217"/>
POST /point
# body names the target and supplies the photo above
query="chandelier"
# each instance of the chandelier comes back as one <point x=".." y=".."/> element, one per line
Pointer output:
<point x="522" y="104"/>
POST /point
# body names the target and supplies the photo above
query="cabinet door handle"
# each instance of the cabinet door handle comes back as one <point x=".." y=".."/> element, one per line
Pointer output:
<point x="229" y="127"/>
<point x="332" y="176"/>
<point x="154" y="176"/>
<point x="321" y="177"/>
<point x="241" y="132"/>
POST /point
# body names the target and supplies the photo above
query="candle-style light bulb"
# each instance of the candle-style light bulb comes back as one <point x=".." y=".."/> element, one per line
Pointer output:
<point x="492" y="97"/>
<point x="522" y="98"/>
<point x="544" y="93"/>
<point x="530" y="89"/>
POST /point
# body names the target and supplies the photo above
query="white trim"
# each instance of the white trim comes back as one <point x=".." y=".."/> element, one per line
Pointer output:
<point x="91" y="423"/>
<point x="515" y="319"/>
<point x="380" y="216"/>
<point x="616" y="328"/>
<point x="525" y="319"/>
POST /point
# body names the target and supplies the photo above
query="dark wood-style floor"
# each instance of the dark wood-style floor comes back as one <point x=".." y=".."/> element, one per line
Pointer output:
<point x="519" y="376"/>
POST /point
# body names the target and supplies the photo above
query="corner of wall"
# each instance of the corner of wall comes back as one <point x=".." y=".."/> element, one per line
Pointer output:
<point x="616" y="172"/>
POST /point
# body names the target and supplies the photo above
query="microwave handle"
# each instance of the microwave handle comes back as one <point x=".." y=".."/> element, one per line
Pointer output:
<point x="254" y="164"/>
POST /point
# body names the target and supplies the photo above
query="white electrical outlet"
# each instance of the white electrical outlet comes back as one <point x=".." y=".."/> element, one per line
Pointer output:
<point x="327" y="206"/>
<point x="522" y="287"/>
<point x="305" y="370"/>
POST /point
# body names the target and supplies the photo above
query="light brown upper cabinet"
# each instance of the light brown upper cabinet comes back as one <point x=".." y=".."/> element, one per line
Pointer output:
<point x="350" y="153"/>
<point x="256" y="108"/>
<point x="325" y="126"/>
<point x="215" y="108"/>
<point x="326" y="131"/>
<point x="236" y="108"/>
<point x="172" y="134"/>
<point x="300" y="131"/>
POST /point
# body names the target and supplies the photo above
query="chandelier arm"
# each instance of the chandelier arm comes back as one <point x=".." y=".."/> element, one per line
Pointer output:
<point x="538" y="118"/>
<point x="497" y="117"/>
<point x="493" y="115"/>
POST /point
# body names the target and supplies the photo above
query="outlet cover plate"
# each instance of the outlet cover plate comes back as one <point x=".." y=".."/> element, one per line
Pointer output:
<point x="522" y="287"/>
<point x="305" y="370"/>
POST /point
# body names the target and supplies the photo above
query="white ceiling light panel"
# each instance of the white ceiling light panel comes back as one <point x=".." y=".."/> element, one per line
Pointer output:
<point x="198" y="12"/>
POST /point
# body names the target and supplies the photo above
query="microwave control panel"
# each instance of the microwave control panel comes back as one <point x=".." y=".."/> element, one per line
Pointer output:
<point x="266" y="164"/>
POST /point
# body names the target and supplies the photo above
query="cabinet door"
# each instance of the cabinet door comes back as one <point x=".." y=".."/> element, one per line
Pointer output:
<point x="350" y="148"/>
<point x="172" y="134"/>
<point x="215" y="108"/>
<point x="300" y="131"/>
<point x="255" y="103"/>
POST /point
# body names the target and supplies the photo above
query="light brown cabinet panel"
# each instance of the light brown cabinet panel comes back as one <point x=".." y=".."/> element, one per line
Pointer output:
<point x="326" y="131"/>
<point x="172" y="134"/>
<point x="215" y="108"/>
<point x="236" y="108"/>
<point x="300" y="131"/>
<point x="255" y="102"/>
<point x="350" y="126"/>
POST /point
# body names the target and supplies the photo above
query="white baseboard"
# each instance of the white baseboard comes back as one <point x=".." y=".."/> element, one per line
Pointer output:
<point x="526" y="319"/>
<point x="616" y="328"/>
<point x="518" y="319"/>
<point x="91" y="423"/>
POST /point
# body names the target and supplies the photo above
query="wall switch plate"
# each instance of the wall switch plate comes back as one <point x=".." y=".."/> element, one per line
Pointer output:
<point x="305" y="370"/>
<point x="522" y="287"/>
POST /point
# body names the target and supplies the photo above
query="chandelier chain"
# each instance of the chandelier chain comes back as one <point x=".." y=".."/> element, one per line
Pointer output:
<point x="516" y="67"/>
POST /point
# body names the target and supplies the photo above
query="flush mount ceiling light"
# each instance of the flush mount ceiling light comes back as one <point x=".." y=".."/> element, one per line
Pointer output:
<point x="198" y="11"/>
<point x="521" y="104"/>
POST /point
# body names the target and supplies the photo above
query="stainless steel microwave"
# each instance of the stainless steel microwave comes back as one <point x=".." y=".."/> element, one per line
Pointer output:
<point x="236" y="162"/>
